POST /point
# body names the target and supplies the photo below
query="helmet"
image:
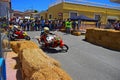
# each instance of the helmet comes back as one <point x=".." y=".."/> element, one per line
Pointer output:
<point x="15" y="26"/>
<point x="46" y="29"/>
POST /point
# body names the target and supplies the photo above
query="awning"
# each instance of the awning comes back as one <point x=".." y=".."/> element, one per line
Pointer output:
<point x="113" y="17"/>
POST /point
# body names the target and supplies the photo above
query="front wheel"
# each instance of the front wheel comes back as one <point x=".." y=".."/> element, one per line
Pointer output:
<point x="65" y="48"/>
<point x="27" y="37"/>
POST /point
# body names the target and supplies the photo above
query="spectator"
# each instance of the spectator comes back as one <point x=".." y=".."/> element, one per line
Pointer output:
<point x="68" y="26"/>
<point x="74" y="24"/>
<point x="117" y="25"/>
<point x="98" y="24"/>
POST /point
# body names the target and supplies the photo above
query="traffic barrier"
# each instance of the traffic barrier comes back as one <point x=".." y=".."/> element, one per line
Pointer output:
<point x="2" y="69"/>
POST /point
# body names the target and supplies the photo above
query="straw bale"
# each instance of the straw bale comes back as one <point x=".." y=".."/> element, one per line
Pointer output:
<point x="35" y="64"/>
<point x="76" y="33"/>
<point x="32" y="61"/>
<point x="23" y="44"/>
<point x="5" y="43"/>
<point x="105" y="37"/>
<point x="14" y="46"/>
<point x="26" y="45"/>
<point x="51" y="73"/>
<point x="62" y="30"/>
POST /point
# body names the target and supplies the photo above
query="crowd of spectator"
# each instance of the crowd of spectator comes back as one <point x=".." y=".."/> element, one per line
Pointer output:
<point x="56" y="24"/>
<point x="113" y="25"/>
<point x="39" y="24"/>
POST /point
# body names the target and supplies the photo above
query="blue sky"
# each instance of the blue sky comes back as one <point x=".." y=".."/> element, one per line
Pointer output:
<point x="40" y="5"/>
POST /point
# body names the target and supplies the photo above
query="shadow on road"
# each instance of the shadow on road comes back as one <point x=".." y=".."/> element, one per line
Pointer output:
<point x="52" y="51"/>
<point x="18" y="67"/>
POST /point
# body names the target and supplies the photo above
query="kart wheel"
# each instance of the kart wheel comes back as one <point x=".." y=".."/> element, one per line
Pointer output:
<point x="42" y="44"/>
<point x="65" y="48"/>
<point x="27" y="37"/>
<point x="12" y="38"/>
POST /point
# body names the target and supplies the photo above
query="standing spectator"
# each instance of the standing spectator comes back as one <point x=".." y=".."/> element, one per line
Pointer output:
<point x="32" y="25"/>
<point x="28" y="25"/>
<point x="98" y="24"/>
<point x="117" y="25"/>
<point x="68" y="26"/>
<point x="36" y="26"/>
<point x="42" y="22"/>
<point x="74" y="24"/>
<point x="79" y="25"/>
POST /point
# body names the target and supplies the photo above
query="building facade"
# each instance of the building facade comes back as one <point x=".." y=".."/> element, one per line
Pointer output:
<point x="66" y="9"/>
<point x="5" y="8"/>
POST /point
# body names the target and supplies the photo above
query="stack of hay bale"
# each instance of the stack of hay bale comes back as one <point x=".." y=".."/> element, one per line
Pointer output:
<point x="62" y="30"/>
<point x="35" y="64"/>
<point x="108" y="38"/>
<point x="76" y="33"/>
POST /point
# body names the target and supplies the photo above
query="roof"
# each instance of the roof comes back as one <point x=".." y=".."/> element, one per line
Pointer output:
<point x="83" y="2"/>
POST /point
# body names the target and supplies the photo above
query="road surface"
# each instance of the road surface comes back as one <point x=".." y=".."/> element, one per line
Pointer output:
<point x="85" y="61"/>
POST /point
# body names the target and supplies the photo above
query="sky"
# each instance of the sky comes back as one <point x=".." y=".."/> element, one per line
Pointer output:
<point x="40" y="5"/>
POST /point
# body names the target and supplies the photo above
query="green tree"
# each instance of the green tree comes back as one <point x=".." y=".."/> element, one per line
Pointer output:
<point x="35" y="11"/>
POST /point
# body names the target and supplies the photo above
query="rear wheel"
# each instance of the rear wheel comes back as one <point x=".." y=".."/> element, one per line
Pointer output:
<point x="12" y="38"/>
<point x="65" y="48"/>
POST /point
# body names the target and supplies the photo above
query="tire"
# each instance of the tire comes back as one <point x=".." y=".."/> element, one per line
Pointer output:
<point x="27" y="38"/>
<point x="42" y="44"/>
<point x="12" y="38"/>
<point x="65" y="48"/>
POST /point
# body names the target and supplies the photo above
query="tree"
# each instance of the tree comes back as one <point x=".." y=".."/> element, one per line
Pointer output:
<point x="35" y="11"/>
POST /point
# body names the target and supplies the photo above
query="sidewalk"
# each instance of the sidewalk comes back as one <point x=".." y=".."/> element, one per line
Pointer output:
<point x="12" y="67"/>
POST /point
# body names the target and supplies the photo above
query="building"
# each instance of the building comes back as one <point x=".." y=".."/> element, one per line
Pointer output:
<point x="117" y="1"/>
<point x="65" y="9"/>
<point x="28" y="14"/>
<point x="5" y="8"/>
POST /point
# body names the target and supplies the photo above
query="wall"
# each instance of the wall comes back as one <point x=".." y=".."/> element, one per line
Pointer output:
<point x="89" y="11"/>
<point x="55" y="11"/>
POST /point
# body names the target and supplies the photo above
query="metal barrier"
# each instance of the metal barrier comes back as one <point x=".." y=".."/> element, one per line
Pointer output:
<point x="2" y="69"/>
<point x="4" y="48"/>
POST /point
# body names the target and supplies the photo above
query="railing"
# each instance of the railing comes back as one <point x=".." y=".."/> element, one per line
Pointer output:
<point x="86" y="3"/>
<point x="4" y="48"/>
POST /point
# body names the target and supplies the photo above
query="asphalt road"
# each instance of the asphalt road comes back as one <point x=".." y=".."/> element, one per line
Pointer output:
<point x="85" y="61"/>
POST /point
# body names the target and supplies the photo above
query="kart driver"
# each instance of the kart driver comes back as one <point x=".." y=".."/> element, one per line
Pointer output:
<point x="45" y="33"/>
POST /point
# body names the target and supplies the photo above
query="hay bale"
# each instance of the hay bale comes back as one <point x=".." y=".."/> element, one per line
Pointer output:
<point x="35" y="64"/>
<point x="34" y="60"/>
<point x="14" y="46"/>
<point x="76" y="33"/>
<point x="18" y="46"/>
<point x="5" y="43"/>
<point x="45" y="74"/>
<point x="63" y="30"/>
<point x="105" y="37"/>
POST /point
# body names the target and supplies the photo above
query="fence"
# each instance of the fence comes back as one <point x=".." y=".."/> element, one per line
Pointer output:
<point x="4" y="48"/>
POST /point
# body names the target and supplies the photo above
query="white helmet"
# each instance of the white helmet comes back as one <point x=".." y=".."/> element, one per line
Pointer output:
<point x="46" y="29"/>
<point x="15" y="26"/>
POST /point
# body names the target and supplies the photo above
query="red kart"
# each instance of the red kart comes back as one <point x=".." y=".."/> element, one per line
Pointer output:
<point x="52" y="41"/>
<point x="18" y="35"/>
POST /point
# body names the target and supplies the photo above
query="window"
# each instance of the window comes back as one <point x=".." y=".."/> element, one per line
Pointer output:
<point x="72" y="14"/>
<point x="97" y="17"/>
<point x="50" y="16"/>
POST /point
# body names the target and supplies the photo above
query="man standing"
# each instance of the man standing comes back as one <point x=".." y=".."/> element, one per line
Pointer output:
<point x="68" y="26"/>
